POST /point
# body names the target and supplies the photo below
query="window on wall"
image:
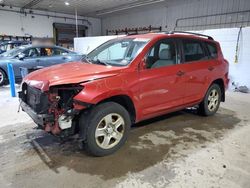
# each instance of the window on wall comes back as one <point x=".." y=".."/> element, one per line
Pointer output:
<point x="193" y="51"/>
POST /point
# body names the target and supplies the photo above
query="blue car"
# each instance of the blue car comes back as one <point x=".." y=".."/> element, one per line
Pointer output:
<point x="8" y="45"/>
<point x="34" y="57"/>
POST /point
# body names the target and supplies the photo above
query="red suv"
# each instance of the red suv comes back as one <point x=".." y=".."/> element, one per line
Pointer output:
<point x="124" y="81"/>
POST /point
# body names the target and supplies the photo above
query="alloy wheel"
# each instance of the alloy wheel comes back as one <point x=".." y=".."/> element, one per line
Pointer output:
<point x="1" y="77"/>
<point x="109" y="131"/>
<point x="213" y="100"/>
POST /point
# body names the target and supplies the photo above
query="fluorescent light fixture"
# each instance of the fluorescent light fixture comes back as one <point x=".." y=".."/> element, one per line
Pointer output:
<point x="129" y="7"/>
<point x="66" y="3"/>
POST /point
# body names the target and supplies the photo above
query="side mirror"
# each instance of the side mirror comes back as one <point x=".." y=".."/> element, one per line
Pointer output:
<point x="21" y="56"/>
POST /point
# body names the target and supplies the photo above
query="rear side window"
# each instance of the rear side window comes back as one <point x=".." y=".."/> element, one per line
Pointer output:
<point x="58" y="51"/>
<point x="212" y="49"/>
<point x="193" y="51"/>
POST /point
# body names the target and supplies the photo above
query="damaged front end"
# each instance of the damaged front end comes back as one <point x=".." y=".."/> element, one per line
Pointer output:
<point x="54" y="110"/>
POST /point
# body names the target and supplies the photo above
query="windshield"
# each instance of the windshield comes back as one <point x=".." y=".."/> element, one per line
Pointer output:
<point x="13" y="52"/>
<point x="117" y="52"/>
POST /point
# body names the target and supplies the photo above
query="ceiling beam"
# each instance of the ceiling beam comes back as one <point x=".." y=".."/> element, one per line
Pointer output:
<point x="31" y="4"/>
<point x="127" y="6"/>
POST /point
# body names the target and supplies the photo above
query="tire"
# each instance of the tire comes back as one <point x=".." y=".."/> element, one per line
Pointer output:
<point x="211" y="102"/>
<point x="107" y="127"/>
<point x="3" y="77"/>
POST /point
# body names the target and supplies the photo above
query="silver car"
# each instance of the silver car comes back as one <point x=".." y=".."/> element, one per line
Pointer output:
<point x="34" y="57"/>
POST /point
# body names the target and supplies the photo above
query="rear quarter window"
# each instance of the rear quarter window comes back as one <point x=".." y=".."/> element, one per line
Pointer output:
<point x="212" y="49"/>
<point x="193" y="51"/>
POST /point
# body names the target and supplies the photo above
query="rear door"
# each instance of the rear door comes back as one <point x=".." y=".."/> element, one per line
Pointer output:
<point x="162" y="86"/>
<point x="198" y="69"/>
<point x="54" y="56"/>
<point x="64" y="56"/>
<point x="48" y="59"/>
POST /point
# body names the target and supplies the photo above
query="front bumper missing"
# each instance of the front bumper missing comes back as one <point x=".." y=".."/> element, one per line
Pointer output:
<point x="39" y="119"/>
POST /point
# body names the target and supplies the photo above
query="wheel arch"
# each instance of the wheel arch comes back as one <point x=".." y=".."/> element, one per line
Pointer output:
<point x="123" y="100"/>
<point x="221" y="84"/>
<point x="2" y="69"/>
<point x="126" y="102"/>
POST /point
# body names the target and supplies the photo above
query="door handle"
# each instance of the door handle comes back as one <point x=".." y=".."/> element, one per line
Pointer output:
<point x="210" y="68"/>
<point x="64" y="58"/>
<point x="37" y="60"/>
<point x="180" y="73"/>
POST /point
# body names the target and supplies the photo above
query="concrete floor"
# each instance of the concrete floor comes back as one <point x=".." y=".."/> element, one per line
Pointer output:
<point x="181" y="149"/>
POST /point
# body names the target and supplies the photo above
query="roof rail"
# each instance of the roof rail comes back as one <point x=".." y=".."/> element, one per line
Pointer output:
<point x="186" y="32"/>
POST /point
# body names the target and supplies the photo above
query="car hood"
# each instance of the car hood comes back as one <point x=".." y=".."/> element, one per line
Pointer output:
<point x="69" y="73"/>
<point x="2" y="58"/>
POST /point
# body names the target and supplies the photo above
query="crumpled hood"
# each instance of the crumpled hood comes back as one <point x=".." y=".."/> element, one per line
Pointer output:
<point x="69" y="73"/>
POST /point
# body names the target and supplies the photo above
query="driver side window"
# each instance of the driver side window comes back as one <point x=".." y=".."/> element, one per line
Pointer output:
<point x="162" y="54"/>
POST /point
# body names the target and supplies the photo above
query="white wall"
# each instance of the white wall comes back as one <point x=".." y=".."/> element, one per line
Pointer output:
<point x="166" y="14"/>
<point x="84" y="45"/>
<point x="40" y="26"/>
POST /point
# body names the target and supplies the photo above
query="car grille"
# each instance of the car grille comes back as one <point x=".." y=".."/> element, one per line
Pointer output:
<point x="37" y="100"/>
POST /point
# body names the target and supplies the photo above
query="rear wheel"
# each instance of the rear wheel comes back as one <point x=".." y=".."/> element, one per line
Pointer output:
<point x="107" y="130"/>
<point x="3" y="77"/>
<point x="211" y="102"/>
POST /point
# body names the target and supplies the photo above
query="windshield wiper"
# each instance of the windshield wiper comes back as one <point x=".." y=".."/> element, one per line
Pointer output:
<point x="86" y="58"/>
<point x="101" y="62"/>
<point x="91" y="61"/>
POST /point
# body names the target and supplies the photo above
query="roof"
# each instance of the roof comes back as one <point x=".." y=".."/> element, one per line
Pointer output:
<point x="43" y="46"/>
<point x="15" y="42"/>
<point x="169" y="34"/>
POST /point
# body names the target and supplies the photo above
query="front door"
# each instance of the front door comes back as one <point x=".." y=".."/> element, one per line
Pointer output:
<point x="30" y="61"/>
<point x="162" y="84"/>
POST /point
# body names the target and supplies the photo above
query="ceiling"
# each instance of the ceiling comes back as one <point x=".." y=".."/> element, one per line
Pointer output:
<point x="94" y="8"/>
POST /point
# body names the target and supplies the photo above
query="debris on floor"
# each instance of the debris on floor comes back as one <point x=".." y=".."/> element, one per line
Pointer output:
<point x="242" y="89"/>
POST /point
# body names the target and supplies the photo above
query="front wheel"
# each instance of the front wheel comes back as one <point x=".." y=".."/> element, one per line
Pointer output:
<point x="108" y="126"/>
<point x="211" y="102"/>
<point x="3" y="77"/>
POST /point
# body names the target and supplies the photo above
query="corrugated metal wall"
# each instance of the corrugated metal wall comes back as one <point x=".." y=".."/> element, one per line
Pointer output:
<point x="184" y="15"/>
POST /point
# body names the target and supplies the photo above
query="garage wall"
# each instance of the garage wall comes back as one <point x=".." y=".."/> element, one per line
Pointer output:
<point x="166" y="14"/>
<point x="11" y="23"/>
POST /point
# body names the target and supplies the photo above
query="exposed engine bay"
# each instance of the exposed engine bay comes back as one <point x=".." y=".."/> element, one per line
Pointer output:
<point x="55" y="110"/>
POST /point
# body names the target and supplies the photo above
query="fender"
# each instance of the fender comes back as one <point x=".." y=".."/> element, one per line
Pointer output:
<point x="98" y="90"/>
